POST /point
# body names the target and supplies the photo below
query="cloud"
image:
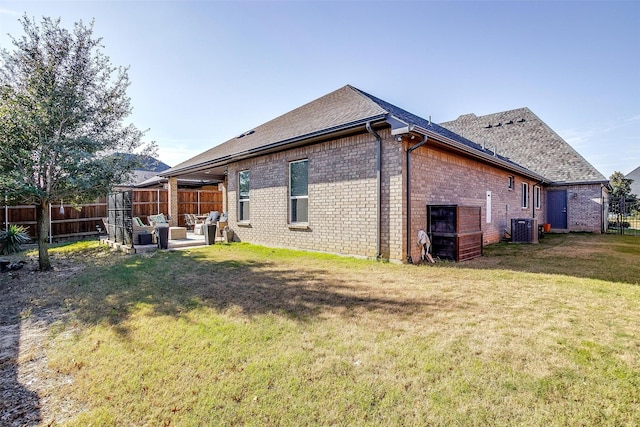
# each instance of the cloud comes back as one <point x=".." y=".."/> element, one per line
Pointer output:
<point x="576" y="137"/>
<point x="174" y="154"/>
<point x="9" y="12"/>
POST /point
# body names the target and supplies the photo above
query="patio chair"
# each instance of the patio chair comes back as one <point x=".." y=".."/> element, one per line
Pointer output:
<point x="157" y="219"/>
<point x="189" y="221"/>
<point x="213" y="217"/>
<point x="196" y="220"/>
<point x="139" y="228"/>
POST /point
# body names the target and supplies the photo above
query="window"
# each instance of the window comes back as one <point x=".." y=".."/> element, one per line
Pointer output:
<point x="299" y="192"/>
<point x="511" y="185"/>
<point x="525" y="195"/>
<point x="536" y="197"/>
<point x="243" y="195"/>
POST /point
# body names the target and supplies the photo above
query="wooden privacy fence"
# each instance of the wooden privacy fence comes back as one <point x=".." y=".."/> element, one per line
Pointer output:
<point x="67" y="223"/>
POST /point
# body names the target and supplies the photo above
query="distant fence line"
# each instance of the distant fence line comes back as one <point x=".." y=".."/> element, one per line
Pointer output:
<point x="67" y="223"/>
<point x="624" y="216"/>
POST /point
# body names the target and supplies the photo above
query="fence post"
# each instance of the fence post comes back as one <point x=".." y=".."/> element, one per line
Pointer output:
<point x="623" y="213"/>
<point x="50" y="226"/>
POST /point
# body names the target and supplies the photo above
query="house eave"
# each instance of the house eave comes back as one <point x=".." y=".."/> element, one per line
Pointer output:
<point x="297" y="141"/>
<point x="480" y="155"/>
<point x="604" y="183"/>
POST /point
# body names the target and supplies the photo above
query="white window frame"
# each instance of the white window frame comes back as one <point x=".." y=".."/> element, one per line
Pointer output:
<point x="299" y="197"/>
<point x="536" y="196"/>
<point x="245" y="199"/>
<point x="511" y="182"/>
<point x="525" y="195"/>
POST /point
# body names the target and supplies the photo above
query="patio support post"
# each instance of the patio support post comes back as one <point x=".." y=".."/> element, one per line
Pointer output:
<point x="6" y="212"/>
<point x="222" y="187"/>
<point x="173" y="201"/>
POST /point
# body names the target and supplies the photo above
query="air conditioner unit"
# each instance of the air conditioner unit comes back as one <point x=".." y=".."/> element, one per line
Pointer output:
<point x="524" y="230"/>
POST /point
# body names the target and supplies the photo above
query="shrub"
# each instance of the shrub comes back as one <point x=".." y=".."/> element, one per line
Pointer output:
<point x="12" y="239"/>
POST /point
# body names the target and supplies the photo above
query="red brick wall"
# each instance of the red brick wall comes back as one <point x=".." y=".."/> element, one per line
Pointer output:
<point x="440" y="177"/>
<point x="343" y="195"/>
<point x="342" y="198"/>
<point x="584" y="207"/>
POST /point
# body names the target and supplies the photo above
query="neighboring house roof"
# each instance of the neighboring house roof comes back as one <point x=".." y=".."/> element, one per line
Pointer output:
<point x="139" y="176"/>
<point x="521" y="136"/>
<point x="340" y="111"/>
<point x="150" y="167"/>
<point x="159" y="181"/>
<point x="635" y="176"/>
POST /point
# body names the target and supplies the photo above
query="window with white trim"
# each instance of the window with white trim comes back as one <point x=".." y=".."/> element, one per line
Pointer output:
<point x="536" y="197"/>
<point x="244" y="179"/>
<point x="525" y="195"/>
<point x="299" y="192"/>
<point x="511" y="182"/>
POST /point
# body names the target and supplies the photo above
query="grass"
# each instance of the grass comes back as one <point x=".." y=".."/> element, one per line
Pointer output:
<point x="238" y="334"/>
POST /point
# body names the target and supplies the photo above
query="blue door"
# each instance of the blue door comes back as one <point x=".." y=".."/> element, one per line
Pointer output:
<point x="557" y="209"/>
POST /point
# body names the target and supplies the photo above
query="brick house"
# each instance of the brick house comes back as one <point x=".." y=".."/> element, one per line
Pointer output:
<point x="634" y="175"/>
<point x="576" y="195"/>
<point x="352" y="174"/>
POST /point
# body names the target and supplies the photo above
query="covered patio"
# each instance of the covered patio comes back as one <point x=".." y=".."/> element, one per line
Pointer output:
<point x="207" y="178"/>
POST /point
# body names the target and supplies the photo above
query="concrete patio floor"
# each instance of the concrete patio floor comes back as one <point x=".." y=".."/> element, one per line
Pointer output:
<point x="192" y="240"/>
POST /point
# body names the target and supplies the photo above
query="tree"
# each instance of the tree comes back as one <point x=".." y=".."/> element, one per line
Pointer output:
<point x="62" y="107"/>
<point x="621" y="186"/>
<point x="623" y="203"/>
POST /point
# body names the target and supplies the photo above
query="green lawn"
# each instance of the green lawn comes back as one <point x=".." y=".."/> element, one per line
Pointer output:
<point x="541" y="335"/>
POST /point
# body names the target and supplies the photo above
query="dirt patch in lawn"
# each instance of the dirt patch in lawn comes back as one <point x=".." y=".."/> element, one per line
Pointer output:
<point x="28" y="309"/>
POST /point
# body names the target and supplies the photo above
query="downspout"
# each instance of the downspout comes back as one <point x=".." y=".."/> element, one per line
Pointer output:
<point x="378" y="188"/>
<point x="409" y="151"/>
<point x="533" y="198"/>
<point x="533" y="201"/>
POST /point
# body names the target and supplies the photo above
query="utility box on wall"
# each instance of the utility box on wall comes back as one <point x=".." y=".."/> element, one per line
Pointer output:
<point x="455" y="231"/>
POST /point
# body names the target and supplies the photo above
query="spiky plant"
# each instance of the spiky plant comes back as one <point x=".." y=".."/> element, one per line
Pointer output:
<point x="12" y="239"/>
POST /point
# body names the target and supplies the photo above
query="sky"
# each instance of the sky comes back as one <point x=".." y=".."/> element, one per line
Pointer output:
<point x="203" y="72"/>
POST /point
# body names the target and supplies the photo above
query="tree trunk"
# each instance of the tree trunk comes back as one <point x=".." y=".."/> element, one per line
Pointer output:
<point x="42" y="217"/>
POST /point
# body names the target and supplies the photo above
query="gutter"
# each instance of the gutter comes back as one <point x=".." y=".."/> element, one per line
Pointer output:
<point x="378" y="187"/>
<point x="265" y="149"/>
<point x="565" y="183"/>
<point x="409" y="151"/>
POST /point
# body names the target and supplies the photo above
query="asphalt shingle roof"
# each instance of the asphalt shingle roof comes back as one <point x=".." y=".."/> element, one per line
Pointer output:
<point x="334" y="110"/>
<point x="412" y="119"/>
<point x="525" y="139"/>
<point x="339" y="109"/>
